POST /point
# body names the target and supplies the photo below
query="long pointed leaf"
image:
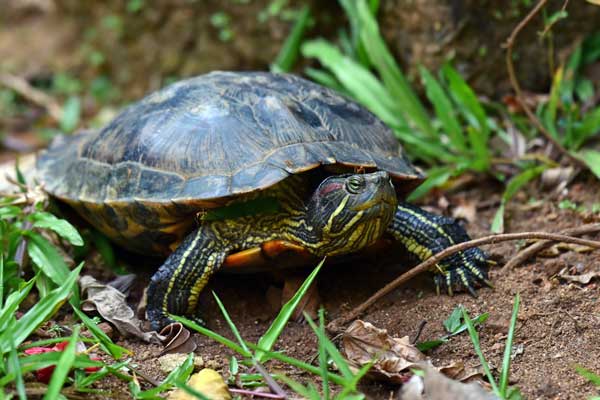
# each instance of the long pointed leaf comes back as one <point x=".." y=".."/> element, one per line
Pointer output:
<point x="272" y="334"/>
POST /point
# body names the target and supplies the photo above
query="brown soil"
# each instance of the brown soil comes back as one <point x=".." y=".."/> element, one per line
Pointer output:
<point x="558" y="324"/>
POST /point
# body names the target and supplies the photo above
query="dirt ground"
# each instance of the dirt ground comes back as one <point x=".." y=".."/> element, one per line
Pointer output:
<point x="558" y="324"/>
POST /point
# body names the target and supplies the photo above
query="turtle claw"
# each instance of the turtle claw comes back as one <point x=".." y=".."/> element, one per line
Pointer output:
<point x="463" y="271"/>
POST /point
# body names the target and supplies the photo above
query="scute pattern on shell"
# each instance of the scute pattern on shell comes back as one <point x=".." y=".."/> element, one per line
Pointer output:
<point x="216" y="136"/>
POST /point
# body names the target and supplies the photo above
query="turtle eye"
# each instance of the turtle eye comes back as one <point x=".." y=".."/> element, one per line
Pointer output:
<point x="355" y="184"/>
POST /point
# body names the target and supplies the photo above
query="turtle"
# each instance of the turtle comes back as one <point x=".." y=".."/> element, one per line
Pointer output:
<point x="227" y="166"/>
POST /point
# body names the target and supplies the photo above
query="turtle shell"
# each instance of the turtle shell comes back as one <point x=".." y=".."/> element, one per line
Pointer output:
<point x="203" y="141"/>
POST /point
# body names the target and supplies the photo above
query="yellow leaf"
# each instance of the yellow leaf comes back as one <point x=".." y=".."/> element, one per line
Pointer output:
<point x="596" y="2"/>
<point x="208" y="382"/>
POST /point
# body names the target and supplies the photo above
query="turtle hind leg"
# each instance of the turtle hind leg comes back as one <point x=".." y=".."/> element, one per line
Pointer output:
<point x="424" y="234"/>
<point x="175" y="287"/>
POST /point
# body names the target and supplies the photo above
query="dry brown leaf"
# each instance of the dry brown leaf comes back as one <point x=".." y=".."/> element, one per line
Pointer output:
<point x="177" y="339"/>
<point x="466" y="210"/>
<point x="458" y="372"/>
<point x="363" y="342"/>
<point x="436" y="386"/>
<point x="208" y="382"/>
<point x="112" y="306"/>
<point x="584" y="279"/>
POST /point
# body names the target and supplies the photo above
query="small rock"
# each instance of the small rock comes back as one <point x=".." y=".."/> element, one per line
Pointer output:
<point x="169" y="362"/>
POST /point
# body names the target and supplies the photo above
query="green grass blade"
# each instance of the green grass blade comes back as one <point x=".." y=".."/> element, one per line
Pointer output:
<point x="63" y="367"/>
<point x="323" y="356"/>
<point x="504" y="375"/>
<point x="45" y="220"/>
<point x="549" y="111"/>
<point x="357" y="80"/>
<point x="1" y="281"/>
<point x="337" y="379"/>
<point x="444" y="110"/>
<point x="270" y="337"/>
<point x="15" y="366"/>
<point x="330" y="348"/>
<point x="212" y="335"/>
<point x="232" y="326"/>
<point x="326" y="79"/>
<point x="589" y="375"/>
<point x="475" y="339"/>
<point x="592" y="159"/>
<point x="516" y="183"/>
<point x="288" y="54"/>
<point x="589" y="127"/>
<point x="436" y="177"/>
<point x="106" y="343"/>
<point x="7" y="313"/>
<point x="39" y="313"/>
<point x="383" y="61"/>
<point x="473" y="112"/>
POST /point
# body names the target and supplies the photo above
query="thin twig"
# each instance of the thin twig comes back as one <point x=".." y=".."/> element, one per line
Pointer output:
<point x="273" y="385"/>
<point x="23" y="88"/>
<point x="510" y="42"/>
<point x="335" y="325"/>
<point x="532" y="250"/>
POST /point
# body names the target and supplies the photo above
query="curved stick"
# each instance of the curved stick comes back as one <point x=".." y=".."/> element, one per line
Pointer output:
<point x="335" y="325"/>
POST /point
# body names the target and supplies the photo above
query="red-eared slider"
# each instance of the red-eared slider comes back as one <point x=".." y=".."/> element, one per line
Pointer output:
<point x="284" y="159"/>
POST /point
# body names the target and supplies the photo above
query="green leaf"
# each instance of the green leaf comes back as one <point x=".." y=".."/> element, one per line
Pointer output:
<point x="443" y="109"/>
<point x="71" y="114"/>
<point x="475" y="340"/>
<point x="288" y="54"/>
<point x="106" y="343"/>
<point x="505" y="373"/>
<point x="60" y="373"/>
<point x="589" y="375"/>
<point x="212" y="335"/>
<point x="46" y="257"/>
<point x="330" y="349"/>
<point x="512" y="187"/>
<point x="430" y="344"/>
<point x="7" y="313"/>
<point x="452" y="323"/>
<point x="592" y="159"/>
<point x="272" y="334"/>
<point x="39" y="313"/>
<point x="549" y="112"/>
<point x="266" y="205"/>
<point x="437" y="177"/>
<point x="357" y="80"/>
<point x="409" y="104"/>
<point x="45" y="220"/>
<point x="15" y="368"/>
<point x="230" y="323"/>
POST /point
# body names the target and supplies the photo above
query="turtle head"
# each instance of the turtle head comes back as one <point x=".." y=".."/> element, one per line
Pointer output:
<point x="349" y="212"/>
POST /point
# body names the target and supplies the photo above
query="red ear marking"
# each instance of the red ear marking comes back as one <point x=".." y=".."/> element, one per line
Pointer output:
<point x="330" y="188"/>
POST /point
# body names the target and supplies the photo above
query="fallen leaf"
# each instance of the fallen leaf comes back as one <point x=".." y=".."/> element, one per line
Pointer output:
<point x="584" y="279"/>
<point x="467" y="210"/>
<point x="436" y="386"/>
<point x="363" y="342"/>
<point x="112" y="306"/>
<point x="177" y="339"/>
<point x="208" y="382"/>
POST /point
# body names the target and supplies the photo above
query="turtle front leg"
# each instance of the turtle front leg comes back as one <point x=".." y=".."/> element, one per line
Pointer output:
<point x="424" y="234"/>
<point x="175" y="287"/>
